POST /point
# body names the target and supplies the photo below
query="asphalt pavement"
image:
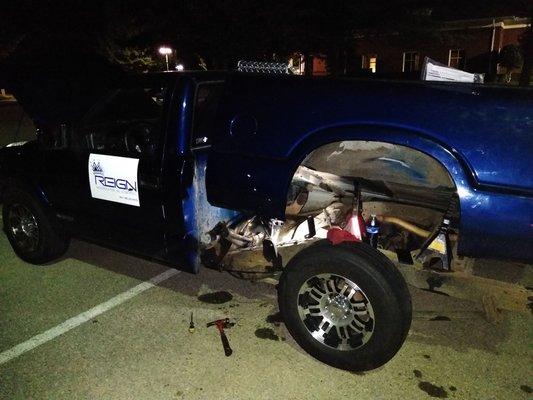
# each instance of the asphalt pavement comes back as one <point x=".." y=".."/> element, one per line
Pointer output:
<point x="135" y="341"/>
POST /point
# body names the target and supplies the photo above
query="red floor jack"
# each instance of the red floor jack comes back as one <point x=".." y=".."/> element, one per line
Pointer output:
<point x="222" y="324"/>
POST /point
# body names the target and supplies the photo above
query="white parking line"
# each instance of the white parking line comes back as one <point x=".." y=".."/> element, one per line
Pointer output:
<point x="76" y="321"/>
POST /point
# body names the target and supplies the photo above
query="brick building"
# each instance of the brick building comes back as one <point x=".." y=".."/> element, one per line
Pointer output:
<point x="471" y="45"/>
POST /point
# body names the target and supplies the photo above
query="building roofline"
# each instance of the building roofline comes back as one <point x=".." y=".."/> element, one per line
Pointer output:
<point x="505" y="22"/>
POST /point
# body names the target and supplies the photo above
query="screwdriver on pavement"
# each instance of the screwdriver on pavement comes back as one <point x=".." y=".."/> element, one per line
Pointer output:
<point x="191" y="325"/>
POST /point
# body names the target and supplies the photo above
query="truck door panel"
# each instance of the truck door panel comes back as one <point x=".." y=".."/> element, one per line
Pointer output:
<point x="122" y="142"/>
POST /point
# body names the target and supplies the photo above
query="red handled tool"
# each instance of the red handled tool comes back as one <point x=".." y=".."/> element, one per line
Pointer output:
<point x="222" y="324"/>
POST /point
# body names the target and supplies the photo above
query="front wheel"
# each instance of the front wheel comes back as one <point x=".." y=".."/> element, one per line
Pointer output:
<point x="347" y="305"/>
<point x="29" y="230"/>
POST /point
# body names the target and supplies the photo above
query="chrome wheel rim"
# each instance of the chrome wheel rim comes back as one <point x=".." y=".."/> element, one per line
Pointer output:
<point x="24" y="228"/>
<point x="336" y="312"/>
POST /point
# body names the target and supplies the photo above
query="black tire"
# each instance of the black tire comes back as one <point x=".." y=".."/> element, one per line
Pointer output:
<point x="381" y="284"/>
<point x="49" y="245"/>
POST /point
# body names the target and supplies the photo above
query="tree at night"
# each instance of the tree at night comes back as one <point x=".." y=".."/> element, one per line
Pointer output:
<point x="215" y="34"/>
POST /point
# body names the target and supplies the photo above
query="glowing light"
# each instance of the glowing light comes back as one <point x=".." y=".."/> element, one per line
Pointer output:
<point x="180" y="67"/>
<point x="165" y="51"/>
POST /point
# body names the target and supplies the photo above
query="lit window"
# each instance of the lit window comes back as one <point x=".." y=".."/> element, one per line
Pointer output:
<point x="297" y="64"/>
<point x="370" y="62"/>
<point x="456" y="59"/>
<point x="411" y="61"/>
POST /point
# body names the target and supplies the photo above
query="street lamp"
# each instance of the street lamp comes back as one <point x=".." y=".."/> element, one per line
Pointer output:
<point x="165" y="51"/>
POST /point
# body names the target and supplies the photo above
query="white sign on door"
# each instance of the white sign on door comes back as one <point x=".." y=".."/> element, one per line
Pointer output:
<point x="114" y="179"/>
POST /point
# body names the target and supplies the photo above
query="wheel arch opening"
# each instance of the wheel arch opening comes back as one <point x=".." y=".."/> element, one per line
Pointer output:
<point x="409" y="190"/>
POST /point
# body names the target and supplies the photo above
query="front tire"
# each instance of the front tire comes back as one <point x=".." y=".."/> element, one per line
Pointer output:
<point x="29" y="229"/>
<point x="347" y="305"/>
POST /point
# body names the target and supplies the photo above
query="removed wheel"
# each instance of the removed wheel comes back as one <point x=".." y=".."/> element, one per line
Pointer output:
<point x="347" y="305"/>
<point x="29" y="230"/>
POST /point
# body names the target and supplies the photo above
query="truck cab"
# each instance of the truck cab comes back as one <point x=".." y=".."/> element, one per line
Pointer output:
<point x="121" y="175"/>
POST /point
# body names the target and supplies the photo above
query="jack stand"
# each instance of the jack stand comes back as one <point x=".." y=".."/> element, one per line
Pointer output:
<point x="356" y="224"/>
<point x="437" y="245"/>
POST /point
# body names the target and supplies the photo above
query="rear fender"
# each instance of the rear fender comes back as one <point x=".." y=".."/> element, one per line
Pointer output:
<point x="252" y="183"/>
<point x="261" y="184"/>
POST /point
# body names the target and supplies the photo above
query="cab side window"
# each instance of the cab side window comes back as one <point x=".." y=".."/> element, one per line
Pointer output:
<point x="127" y="123"/>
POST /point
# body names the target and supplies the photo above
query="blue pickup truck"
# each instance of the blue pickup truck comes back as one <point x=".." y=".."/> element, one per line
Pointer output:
<point x="315" y="181"/>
